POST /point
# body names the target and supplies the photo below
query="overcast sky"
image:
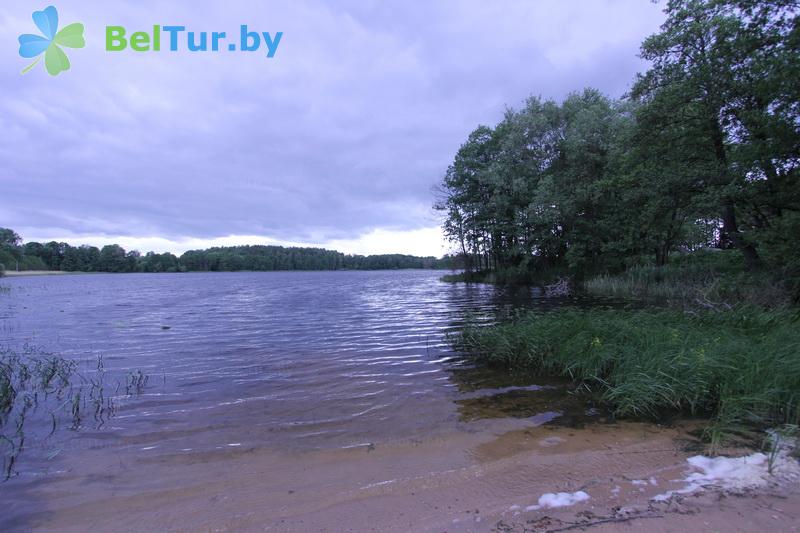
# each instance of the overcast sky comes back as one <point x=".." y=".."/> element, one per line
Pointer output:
<point x="336" y="141"/>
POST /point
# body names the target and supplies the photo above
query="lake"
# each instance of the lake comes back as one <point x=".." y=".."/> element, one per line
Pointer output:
<point x="262" y="372"/>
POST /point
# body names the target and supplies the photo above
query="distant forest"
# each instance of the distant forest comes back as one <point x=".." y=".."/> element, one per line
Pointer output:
<point x="704" y="152"/>
<point x="113" y="258"/>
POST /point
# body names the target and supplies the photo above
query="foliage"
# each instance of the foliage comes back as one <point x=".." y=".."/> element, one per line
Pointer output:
<point x="702" y="153"/>
<point x="281" y="258"/>
<point x="114" y="258"/>
<point x="9" y="246"/>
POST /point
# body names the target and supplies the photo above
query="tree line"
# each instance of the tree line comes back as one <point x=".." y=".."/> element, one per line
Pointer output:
<point x="703" y="152"/>
<point x="114" y="258"/>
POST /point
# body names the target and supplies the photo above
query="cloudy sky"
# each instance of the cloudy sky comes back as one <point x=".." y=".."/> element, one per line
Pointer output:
<point x="336" y="141"/>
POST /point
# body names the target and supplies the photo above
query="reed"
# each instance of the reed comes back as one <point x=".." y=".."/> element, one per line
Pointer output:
<point x="739" y="368"/>
<point x="705" y="279"/>
<point x="39" y="389"/>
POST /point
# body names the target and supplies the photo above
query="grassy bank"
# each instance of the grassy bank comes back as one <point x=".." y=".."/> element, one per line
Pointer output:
<point x="705" y="279"/>
<point x="741" y="368"/>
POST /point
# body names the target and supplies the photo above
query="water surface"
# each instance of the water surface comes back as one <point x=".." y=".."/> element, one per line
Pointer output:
<point x="281" y="362"/>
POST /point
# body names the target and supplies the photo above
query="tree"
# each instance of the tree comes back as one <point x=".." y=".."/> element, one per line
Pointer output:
<point x="9" y="238"/>
<point x="727" y="70"/>
<point x="112" y="259"/>
<point x="10" y="252"/>
<point x="53" y="254"/>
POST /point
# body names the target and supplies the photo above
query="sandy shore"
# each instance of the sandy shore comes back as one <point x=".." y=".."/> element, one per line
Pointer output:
<point x="15" y="274"/>
<point x="775" y="511"/>
<point x="459" y="482"/>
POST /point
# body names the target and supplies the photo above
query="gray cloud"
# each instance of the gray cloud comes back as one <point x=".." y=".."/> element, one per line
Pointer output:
<point x="343" y="133"/>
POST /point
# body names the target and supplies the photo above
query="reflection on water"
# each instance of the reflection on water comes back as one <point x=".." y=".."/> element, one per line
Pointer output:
<point x="285" y="361"/>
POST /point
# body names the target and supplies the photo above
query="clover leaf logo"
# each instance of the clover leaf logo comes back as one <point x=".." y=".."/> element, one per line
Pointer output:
<point x="49" y="43"/>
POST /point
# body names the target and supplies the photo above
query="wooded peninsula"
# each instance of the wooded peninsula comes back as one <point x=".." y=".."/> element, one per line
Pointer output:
<point x="681" y="198"/>
<point x="703" y="153"/>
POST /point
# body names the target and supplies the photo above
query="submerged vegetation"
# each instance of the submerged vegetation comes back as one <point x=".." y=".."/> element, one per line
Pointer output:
<point x="49" y="390"/>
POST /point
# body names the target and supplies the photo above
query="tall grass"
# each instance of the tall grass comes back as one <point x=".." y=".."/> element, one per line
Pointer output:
<point x="710" y="279"/>
<point x="741" y="368"/>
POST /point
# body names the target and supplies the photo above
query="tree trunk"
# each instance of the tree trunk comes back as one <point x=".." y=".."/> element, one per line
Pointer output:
<point x="662" y="255"/>
<point x="730" y="234"/>
<point x="464" y="253"/>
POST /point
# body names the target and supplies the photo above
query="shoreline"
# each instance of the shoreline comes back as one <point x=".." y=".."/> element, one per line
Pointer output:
<point x="461" y="481"/>
<point x="24" y="273"/>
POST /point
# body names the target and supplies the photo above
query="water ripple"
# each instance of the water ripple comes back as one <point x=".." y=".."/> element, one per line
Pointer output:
<point x="280" y="359"/>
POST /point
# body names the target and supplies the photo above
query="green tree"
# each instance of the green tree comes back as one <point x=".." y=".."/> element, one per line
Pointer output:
<point x="10" y="252"/>
<point x="727" y="71"/>
<point x="112" y="259"/>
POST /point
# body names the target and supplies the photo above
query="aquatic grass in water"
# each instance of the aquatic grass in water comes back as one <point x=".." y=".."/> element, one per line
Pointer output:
<point x="39" y="389"/>
<point x="28" y="381"/>
<point x="740" y="367"/>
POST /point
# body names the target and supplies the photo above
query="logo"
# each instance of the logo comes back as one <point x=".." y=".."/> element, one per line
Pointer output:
<point x="178" y="38"/>
<point x="118" y="38"/>
<point x="50" y="42"/>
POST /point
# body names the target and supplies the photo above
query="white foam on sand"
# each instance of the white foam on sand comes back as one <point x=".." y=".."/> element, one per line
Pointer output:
<point x="558" y="499"/>
<point x="735" y="473"/>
